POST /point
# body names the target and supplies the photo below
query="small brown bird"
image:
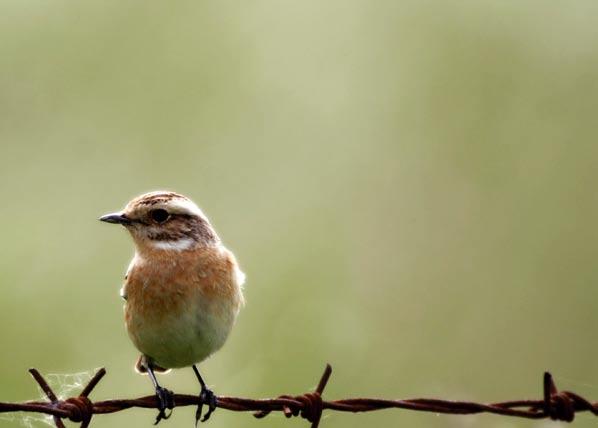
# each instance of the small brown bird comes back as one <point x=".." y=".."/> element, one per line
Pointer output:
<point x="182" y="291"/>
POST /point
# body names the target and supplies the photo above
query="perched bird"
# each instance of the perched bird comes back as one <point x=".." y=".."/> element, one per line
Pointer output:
<point x="182" y="290"/>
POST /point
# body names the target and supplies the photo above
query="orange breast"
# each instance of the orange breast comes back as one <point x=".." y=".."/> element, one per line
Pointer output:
<point x="164" y="287"/>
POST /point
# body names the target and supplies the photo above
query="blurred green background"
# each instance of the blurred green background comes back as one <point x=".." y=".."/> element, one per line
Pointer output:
<point x="409" y="186"/>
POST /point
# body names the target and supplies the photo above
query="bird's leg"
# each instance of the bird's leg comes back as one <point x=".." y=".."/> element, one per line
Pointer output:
<point x="165" y="396"/>
<point x="206" y="397"/>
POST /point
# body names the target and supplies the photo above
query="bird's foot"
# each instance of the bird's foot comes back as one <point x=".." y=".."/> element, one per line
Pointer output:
<point x="206" y="397"/>
<point x="165" y="401"/>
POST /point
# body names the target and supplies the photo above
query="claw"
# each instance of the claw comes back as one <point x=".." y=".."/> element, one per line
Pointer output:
<point x="165" y="401"/>
<point x="207" y="397"/>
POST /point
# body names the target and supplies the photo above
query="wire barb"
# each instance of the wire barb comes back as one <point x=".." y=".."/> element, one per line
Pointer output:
<point x="76" y="409"/>
<point x="308" y="405"/>
<point x="555" y="404"/>
<point x="49" y="393"/>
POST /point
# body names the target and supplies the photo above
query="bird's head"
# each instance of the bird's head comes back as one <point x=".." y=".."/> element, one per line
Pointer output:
<point x="164" y="221"/>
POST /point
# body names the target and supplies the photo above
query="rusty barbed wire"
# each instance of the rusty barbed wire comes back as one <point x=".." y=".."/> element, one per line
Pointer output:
<point x="554" y="404"/>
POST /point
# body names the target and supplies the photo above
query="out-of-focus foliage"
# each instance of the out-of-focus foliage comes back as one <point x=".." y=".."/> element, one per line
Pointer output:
<point x="410" y="187"/>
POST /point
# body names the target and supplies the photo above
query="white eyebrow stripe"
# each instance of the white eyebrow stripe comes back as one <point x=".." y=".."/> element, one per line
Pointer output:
<point x="178" y="245"/>
<point x="183" y="206"/>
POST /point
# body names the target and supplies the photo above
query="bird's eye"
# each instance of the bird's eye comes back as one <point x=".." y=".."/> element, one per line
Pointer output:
<point x="159" y="215"/>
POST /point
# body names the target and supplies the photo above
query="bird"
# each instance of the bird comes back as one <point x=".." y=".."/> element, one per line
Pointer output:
<point x="182" y="291"/>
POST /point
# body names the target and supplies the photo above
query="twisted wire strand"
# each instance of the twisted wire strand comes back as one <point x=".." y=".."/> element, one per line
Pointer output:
<point x="555" y="404"/>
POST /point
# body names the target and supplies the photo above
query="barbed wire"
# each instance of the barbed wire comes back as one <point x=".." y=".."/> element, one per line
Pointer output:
<point x="554" y="404"/>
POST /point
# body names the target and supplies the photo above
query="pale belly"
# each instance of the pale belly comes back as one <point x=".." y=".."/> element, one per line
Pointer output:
<point x="186" y="333"/>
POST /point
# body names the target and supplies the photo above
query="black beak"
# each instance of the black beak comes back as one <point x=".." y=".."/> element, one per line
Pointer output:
<point x="116" y="218"/>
